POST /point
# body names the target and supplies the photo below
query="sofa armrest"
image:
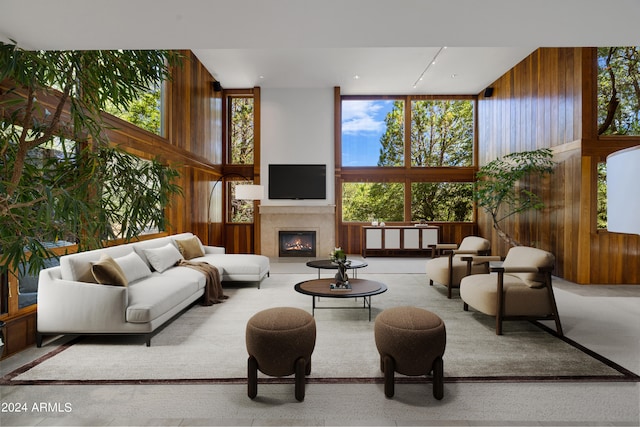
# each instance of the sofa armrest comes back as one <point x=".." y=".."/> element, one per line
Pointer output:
<point x="214" y="250"/>
<point x="69" y="306"/>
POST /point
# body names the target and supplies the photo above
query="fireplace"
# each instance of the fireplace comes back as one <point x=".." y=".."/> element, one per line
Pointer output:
<point x="297" y="243"/>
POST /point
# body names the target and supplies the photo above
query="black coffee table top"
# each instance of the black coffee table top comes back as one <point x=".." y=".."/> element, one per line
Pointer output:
<point x="322" y="288"/>
<point x="330" y="265"/>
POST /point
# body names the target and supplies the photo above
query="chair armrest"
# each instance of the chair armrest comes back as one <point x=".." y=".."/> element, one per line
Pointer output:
<point x="441" y="248"/>
<point x="445" y="246"/>
<point x="518" y="269"/>
<point x="481" y="259"/>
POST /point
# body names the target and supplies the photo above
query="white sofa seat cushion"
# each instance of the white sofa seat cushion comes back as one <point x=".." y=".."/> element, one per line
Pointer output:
<point x="155" y="295"/>
<point x="248" y="267"/>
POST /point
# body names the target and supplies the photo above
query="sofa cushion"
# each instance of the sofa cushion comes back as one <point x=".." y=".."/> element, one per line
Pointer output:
<point x="153" y="296"/>
<point x="163" y="257"/>
<point x="190" y="248"/>
<point x="106" y="271"/>
<point x="133" y="266"/>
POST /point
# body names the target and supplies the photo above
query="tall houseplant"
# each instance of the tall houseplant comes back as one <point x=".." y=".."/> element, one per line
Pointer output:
<point x="60" y="179"/>
<point x="502" y="191"/>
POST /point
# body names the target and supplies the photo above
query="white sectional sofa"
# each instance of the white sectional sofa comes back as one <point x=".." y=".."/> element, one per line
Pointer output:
<point x="70" y="301"/>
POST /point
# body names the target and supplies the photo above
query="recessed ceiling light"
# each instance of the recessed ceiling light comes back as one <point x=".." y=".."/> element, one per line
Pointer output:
<point x="356" y="77"/>
<point x="454" y="75"/>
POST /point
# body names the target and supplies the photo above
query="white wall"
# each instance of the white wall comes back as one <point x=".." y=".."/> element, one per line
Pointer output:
<point x="297" y="127"/>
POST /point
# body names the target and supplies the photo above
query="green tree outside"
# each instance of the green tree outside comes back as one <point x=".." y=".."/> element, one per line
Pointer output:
<point x="144" y="112"/>
<point x="441" y="136"/>
<point x="619" y="90"/>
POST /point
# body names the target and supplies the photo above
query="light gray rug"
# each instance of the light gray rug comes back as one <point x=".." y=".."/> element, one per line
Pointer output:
<point x="209" y="342"/>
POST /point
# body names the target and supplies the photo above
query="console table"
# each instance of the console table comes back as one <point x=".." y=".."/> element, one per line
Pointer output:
<point x="399" y="240"/>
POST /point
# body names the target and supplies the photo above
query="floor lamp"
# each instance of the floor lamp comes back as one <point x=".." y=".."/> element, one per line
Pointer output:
<point x="243" y="192"/>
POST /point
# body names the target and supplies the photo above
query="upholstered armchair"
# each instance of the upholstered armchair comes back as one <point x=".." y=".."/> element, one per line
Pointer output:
<point x="520" y="289"/>
<point x="450" y="268"/>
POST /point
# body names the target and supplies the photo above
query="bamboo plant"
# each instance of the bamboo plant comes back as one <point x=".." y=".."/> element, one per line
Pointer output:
<point x="60" y="178"/>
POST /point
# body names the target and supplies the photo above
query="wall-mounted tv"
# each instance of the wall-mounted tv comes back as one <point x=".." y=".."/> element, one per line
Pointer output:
<point x="297" y="182"/>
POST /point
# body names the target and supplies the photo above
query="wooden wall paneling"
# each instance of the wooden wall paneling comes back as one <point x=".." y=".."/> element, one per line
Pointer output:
<point x="239" y="238"/>
<point x="548" y="101"/>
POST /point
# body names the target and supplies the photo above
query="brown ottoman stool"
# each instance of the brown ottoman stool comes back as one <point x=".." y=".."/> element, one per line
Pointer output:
<point x="280" y="342"/>
<point x="410" y="341"/>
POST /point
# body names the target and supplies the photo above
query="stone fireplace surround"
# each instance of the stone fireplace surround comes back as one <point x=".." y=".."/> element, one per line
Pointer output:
<point x="321" y="219"/>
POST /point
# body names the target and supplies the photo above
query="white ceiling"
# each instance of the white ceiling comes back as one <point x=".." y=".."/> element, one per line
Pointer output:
<point x="325" y="43"/>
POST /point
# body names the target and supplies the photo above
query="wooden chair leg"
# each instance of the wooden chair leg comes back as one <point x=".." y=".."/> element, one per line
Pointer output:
<point x="554" y="306"/>
<point x="252" y="377"/>
<point x="307" y="370"/>
<point x="301" y="365"/>
<point x="430" y="282"/>
<point x="465" y="306"/>
<point x="438" y="378"/>
<point x="389" y="369"/>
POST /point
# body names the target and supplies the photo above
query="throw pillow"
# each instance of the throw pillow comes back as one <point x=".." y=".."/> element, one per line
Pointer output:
<point x="190" y="248"/>
<point x="163" y="258"/>
<point x="106" y="271"/>
<point x="133" y="266"/>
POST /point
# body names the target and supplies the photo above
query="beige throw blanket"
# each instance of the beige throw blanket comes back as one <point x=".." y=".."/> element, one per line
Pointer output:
<point x="213" y="293"/>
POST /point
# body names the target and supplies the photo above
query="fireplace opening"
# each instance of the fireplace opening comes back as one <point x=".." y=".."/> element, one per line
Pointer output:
<point x="297" y="243"/>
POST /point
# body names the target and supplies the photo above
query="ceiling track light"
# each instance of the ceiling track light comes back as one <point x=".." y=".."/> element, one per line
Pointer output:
<point x="432" y="62"/>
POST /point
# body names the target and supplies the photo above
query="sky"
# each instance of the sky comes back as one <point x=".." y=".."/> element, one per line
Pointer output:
<point x="362" y="126"/>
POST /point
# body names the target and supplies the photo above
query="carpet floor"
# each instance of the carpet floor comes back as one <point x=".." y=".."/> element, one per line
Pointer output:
<point x="208" y="343"/>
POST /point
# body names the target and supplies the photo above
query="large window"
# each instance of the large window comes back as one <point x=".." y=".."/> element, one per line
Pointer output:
<point x="241" y="130"/>
<point x="372" y="132"/>
<point x="240" y="152"/>
<point x="441" y="201"/>
<point x="391" y="157"/>
<point x="145" y="112"/>
<point x="619" y="90"/>
<point x="441" y="133"/>
<point x="365" y="202"/>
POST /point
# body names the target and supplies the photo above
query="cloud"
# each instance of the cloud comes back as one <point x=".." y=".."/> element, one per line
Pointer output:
<point x="361" y="117"/>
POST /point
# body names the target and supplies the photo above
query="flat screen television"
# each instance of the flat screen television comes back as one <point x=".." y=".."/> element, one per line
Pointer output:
<point x="297" y="182"/>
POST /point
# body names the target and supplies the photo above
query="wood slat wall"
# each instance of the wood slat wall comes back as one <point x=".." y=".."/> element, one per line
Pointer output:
<point x="548" y="101"/>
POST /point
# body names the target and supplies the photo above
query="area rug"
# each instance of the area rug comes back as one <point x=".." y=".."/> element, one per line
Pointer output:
<point x="208" y="343"/>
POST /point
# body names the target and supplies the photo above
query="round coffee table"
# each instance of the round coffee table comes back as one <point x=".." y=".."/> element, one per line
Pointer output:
<point x="327" y="264"/>
<point x="359" y="288"/>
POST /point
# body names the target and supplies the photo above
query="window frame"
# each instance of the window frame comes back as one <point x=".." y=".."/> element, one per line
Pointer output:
<point x="406" y="174"/>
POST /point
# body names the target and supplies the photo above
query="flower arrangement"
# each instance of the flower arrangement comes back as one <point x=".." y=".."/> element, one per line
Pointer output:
<point x="338" y="255"/>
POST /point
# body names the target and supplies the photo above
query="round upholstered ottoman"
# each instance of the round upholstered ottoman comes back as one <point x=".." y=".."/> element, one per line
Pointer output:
<point x="410" y="341"/>
<point x="280" y="341"/>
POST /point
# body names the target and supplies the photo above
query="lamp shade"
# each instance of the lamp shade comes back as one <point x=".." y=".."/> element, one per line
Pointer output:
<point x="623" y="197"/>
<point x="249" y="192"/>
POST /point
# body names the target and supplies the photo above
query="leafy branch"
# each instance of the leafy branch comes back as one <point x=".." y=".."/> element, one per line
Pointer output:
<point x="501" y="189"/>
<point x="60" y="178"/>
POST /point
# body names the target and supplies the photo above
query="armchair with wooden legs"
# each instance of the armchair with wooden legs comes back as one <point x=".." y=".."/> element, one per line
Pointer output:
<point x="450" y="268"/>
<point x="520" y="289"/>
